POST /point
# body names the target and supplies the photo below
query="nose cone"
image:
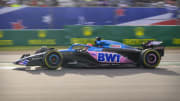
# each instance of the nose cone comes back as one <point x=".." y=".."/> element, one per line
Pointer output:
<point x="21" y="62"/>
<point x="16" y="62"/>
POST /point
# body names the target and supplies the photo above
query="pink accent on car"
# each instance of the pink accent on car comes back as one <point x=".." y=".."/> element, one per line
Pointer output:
<point x="109" y="57"/>
<point x="116" y="46"/>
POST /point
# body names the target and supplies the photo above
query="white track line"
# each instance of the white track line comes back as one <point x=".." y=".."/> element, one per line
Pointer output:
<point x="8" y="68"/>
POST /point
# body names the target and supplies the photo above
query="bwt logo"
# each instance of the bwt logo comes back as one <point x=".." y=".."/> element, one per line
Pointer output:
<point x="108" y="57"/>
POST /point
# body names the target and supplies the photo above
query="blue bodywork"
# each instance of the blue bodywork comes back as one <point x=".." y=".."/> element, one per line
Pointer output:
<point x="102" y="43"/>
<point x="103" y="52"/>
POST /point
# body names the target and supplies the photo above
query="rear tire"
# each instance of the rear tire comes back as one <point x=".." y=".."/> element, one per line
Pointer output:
<point x="53" y="59"/>
<point x="150" y="58"/>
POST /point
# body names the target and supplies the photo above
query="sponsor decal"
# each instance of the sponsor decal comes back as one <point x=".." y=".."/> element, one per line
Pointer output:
<point x="48" y="19"/>
<point x="120" y="12"/>
<point x="1" y="34"/>
<point x="135" y="41"/>
<point x="6" y="42"/>
<point x="18" y="25"/>
<point x="108" y="57"/>
<point x="42" y="42"/>
<point x="176" y="41"/>
<point x="42" y="34"/>
<point x="139" y="31"/>
<point x="23" y="62"/>
<point x="87" y="31"/>
<point x="83" y="21"/>
<point x="115" y="46"/>
<point x="82" y="40"/>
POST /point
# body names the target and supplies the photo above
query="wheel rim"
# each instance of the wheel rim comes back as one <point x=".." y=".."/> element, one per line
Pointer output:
<point x="151" y="58"/>
<point x="53" y="60"/>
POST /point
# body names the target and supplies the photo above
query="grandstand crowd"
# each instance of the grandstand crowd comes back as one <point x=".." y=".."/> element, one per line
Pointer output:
<point x="89" y="3"/>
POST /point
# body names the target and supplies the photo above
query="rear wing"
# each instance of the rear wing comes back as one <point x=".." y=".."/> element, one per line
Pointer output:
<point x="156" y="45"/>
<point x="152" y="44"/>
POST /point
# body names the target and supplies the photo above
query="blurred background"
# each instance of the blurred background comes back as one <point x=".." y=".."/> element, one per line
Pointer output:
<point x="64" y="22"/>
<point x="89" y="3"/>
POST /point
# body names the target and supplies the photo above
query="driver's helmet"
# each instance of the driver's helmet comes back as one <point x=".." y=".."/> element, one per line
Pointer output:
<point x="98" y="38"/>
<point x="98" y="41"/>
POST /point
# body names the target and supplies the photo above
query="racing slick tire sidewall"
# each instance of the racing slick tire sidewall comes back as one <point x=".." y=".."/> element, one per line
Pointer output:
<point x="147" y="62"/>
<point x="48" y="61"/>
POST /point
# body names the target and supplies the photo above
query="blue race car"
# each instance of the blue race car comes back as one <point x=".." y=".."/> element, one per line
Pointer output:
<point x="103" y="53"/>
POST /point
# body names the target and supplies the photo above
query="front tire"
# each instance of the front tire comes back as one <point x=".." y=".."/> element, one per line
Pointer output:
<point x="150" y="58"/>
<point x="53" y="59"/>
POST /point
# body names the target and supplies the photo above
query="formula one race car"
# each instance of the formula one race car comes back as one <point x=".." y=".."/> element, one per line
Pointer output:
<point x="103" y="53"/>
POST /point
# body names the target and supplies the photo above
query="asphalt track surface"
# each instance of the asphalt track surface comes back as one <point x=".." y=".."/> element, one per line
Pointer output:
<point x="103" y="84"/>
